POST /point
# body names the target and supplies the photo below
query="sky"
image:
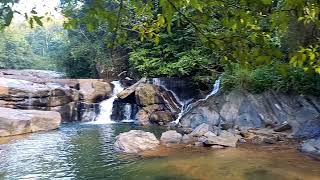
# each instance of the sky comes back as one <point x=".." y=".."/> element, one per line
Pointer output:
<point x="42" y="6"/>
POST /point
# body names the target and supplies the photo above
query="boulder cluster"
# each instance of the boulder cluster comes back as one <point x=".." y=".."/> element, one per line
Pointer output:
<point x="154" y="104"/>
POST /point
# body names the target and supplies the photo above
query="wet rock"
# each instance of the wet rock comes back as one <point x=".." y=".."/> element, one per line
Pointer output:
<point x="225" y="139"/>
<point x="200" y="130"/>
<point x="311" y="146"/>
<point x="15" y="122"/>
<point x="136" y="141"/>
<point x="161" y="116"/>
<point x="171" y="137"/>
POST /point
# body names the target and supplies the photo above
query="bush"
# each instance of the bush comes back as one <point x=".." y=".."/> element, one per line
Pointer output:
<point x="276" y="76"/>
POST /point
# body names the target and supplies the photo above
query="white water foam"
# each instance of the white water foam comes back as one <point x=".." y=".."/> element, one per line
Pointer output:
<point x="104" y="117"/>
<point x="215" y="90"/>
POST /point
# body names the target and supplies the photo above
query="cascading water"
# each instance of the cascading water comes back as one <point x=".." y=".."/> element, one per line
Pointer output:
<point x="183" y="104"/>
<point x="215" y="90"/>
<point x="106" y="106"/>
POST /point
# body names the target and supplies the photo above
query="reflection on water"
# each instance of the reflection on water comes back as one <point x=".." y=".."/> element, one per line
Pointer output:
<point x="84" y="151"/>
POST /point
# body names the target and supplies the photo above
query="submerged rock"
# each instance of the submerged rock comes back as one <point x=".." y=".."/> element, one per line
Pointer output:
<point x="15" y="122"/>
<point x="171" y="137"/>
<point x="136" y="141"/>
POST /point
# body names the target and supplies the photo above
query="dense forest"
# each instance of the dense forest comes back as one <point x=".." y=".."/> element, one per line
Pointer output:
<point x="249" y="44"/>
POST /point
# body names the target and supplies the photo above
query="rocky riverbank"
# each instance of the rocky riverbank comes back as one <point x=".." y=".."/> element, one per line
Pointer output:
<point x="45" y="93"/>
<point x="227" y="119"/>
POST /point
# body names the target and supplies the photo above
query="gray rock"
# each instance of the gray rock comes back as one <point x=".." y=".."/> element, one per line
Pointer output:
<point x="283" y="127"/>
<point x="244" y="110"/>
<point x="311" y="146"/>
<point x="209" y="134"/>
<point x="171" y="137"/>
<point x="136" y="141"/>
<point x="200" y="130"/>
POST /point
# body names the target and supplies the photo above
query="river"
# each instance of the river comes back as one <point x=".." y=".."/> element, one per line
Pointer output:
<point x="85" y="151"/>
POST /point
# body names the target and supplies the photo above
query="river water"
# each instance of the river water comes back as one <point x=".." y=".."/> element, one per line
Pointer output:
<point x="85" y="151"/>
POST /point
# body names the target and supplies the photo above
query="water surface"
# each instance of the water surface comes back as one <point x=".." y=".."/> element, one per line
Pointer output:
<point x="85" y="151"/>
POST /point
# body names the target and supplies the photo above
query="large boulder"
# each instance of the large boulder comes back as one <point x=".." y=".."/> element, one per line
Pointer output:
<point x="171" y="137"/>
<point x="147" y="94"/>
<point x="136" y="141"/>
<point x="94" y="90"/>
<point x="269" y="109"/>
<point x="15" y="122"/>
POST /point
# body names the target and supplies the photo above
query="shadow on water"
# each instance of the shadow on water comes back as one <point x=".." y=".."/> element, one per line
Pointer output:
<point x="85" y="151"/>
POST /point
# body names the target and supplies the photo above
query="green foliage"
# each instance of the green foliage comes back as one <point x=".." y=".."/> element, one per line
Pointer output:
<point x="277" y="76"/>
<point x="15" y="52"/>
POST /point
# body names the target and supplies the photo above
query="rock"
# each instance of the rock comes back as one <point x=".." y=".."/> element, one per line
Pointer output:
<point x="171" y="137"/>
<point x="136" y="141"/>
<point x="31" y="73"/>
<point x="307" y="130"/>
<point x="128" y="91"/>
<point x="12" y="88"/>
<point x="185" y="130"/>
<point x="245" y="110"/>
<point x="217" y="147"/>
<point x="143" y="117"/>
<point x="68" y="112"/>
<point x="161" y="116"/>
<point x="198" y="144"/>
<point x="200" y="130"/>
<point x="202" y="139"/>
<point x="187" y="139"/>
<point x="269" y="141"/>
<point x="226" y="139"/>
<point x="15" y="122"/>
<point x="153" y="108"/>
<point x="147" y="94"/>
<point x="283" y="127"/>
<point x="242" y="141"/>
<point x="209" y="134"/>
<point x="94" y="90"/>
<point x="311" y="146"/>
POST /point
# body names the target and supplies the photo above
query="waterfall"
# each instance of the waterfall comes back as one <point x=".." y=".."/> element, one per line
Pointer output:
<point x="158" y="82"/>
<point x="106" y="106"/>
<point x="215" y="90"/>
